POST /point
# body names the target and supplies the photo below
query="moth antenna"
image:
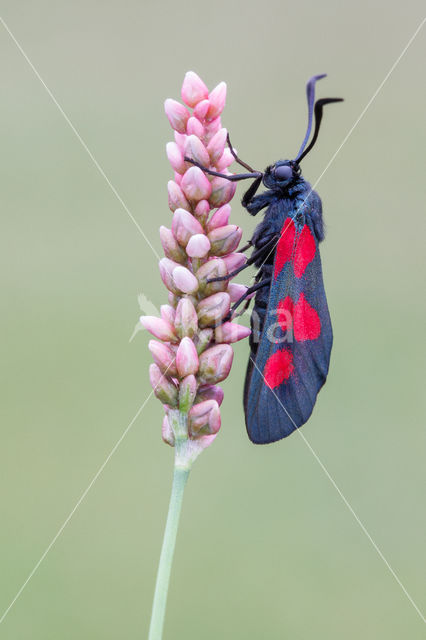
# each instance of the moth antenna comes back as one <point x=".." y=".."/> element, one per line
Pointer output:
<point x="318" y="117"/>
<point x="310" y="95"/>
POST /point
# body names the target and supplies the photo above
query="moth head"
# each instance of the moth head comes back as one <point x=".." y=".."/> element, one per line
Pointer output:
<point x="281" y="174"/>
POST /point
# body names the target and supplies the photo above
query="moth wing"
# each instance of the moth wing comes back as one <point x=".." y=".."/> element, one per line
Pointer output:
<point x="291" y="361"/>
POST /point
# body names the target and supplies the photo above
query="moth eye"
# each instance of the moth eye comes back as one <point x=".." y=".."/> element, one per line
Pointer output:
<point x="284" y="172"/>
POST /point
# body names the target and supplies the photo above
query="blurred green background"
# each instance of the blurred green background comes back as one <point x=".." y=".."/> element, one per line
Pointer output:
<point x="267" y="548"/>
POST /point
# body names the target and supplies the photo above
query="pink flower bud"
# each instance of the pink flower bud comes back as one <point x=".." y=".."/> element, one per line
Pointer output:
<point x="166" y="267"/>
<point x="217" y="99"/>
<point x="168" y="313"/>
<point x="224" y="240"/>
<point x="173" y="300"/>
<point x="204" y="337"/>
<point x="212" y="309"/>
<point x="175" y="157"/>
<point x="176" y="196"/>
<point x="236" y="291"/>
<point x="171" y="246"/>
<point x="186" y="358"/>
<point x="159" y="328"/>
<point x="167" y="432"/>
<point x="193" y="89"/>
<point x="184" y="226"/>
<point x="163" y="388"/>
<point x="187" y="392"/>
<point x="198" y="246"/>
<point x="201" y="109"/>
<point x="217" y="145"/>
<point x="177" y="114"/>
<point x="225" y="160"/>
<point x="186" y="319"/>
<point x="210" y="392"/>
<point x="204" y="418"/>
<point x="195" y="185"/>
<point x="215" y="364"/>
<point x="177" y="177"/>
<point x="214" y="268"/>
<point x="184" y="280"/>
<point x="202" y="209"/>
<point x="180" y="139"/>
<point x="195" y="150"/>
<point x="231" y="332"/>
<point x="194" y="127"/>
<point x="212" y="128"/>
<point x="164" y="357"/>
<point x="222" y="191"/>
<point x="219" y="218"/>
<point x="234" y="261"/>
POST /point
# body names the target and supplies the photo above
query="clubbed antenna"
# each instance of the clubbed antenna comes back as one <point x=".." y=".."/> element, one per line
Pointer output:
<point x="310" y="95"/>
<point x="313" y="108"/>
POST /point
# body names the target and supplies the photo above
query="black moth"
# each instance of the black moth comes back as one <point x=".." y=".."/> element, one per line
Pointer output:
<point x="291" y="336"/>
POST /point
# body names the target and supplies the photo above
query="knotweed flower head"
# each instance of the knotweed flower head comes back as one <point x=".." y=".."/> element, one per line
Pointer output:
<point x="192" y="348"/>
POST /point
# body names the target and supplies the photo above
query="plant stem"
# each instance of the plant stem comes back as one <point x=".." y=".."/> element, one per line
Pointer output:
<point x="180" y="476"/>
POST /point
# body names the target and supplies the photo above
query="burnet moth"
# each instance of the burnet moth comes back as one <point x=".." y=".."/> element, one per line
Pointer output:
<point x="291" y="336"/>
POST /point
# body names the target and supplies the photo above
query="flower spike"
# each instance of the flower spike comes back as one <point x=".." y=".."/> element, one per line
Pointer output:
<point x="192" y="347"/>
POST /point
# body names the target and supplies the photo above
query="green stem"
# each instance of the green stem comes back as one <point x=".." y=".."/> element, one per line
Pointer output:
<point x="180" y="477"/>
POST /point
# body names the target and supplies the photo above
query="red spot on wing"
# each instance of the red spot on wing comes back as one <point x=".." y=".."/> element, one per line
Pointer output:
<point x="306" y="322"/>
<point x="302" y="255"/>
<point x="305" y="251"/>
<point x="278" y="368"/>
<point x="301" y="317"/>
<point x="285" y="246"/>
<point x="285" y="313"/>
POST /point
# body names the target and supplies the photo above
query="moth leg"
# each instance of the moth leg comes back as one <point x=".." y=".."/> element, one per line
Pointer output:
<point x="251" y="191"/>
<point x="236" y="158"/>
<point x="257" y="254"/>
<point x="245" y="307"/>
<point x="259" y="285"/>
<point x="246" y="247"/>
<point x="234" y="177"/>
<point x="230" y="315"/>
